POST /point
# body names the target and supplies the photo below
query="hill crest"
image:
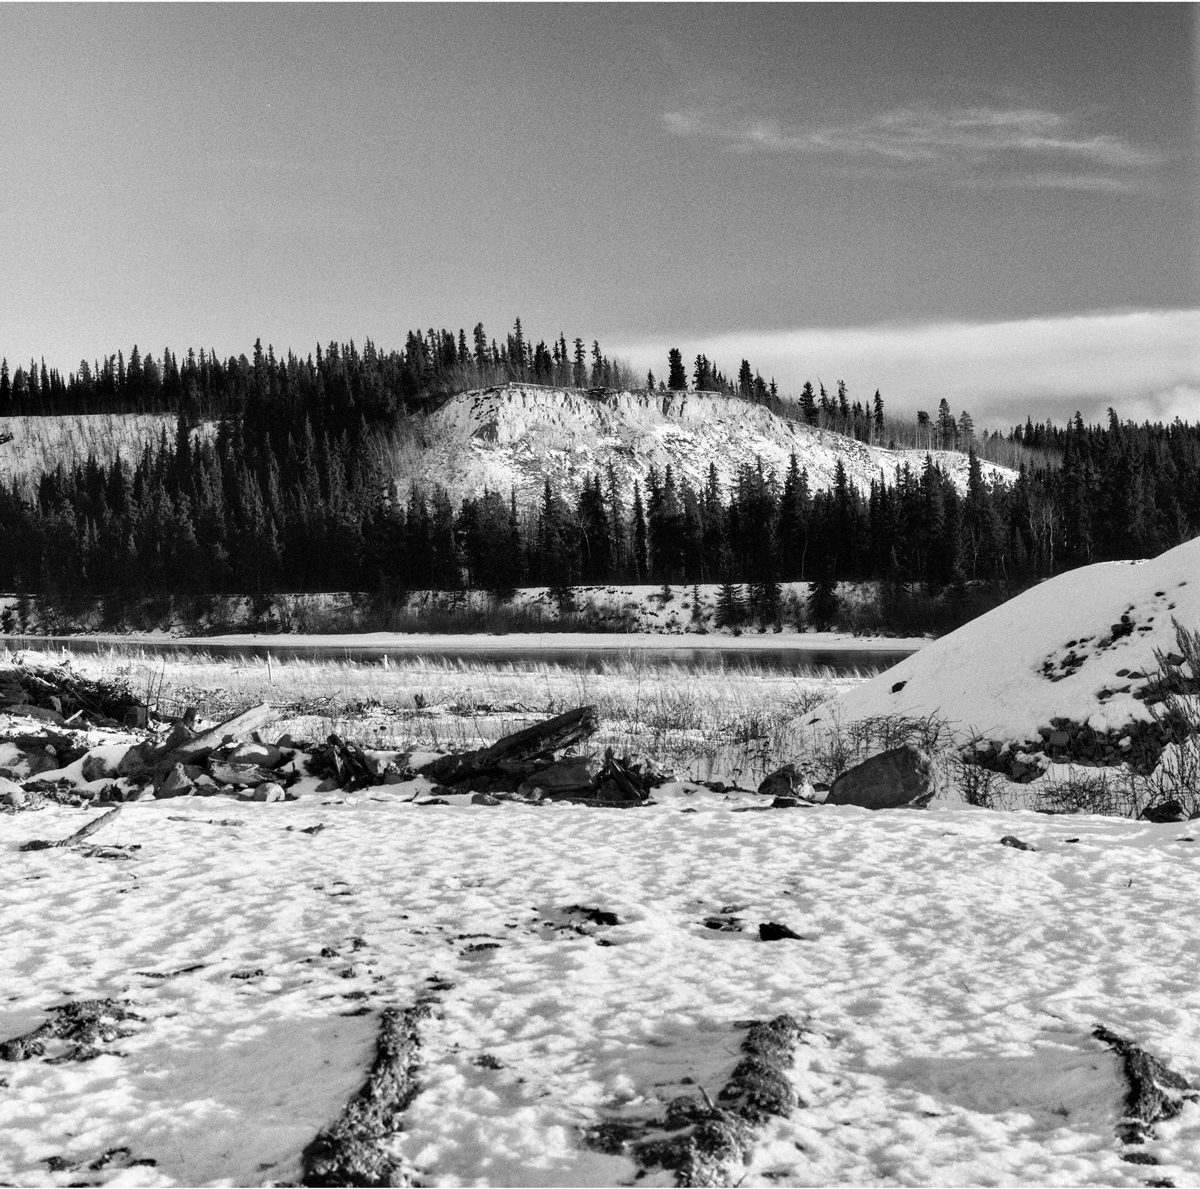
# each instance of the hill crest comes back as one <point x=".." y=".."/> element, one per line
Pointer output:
<point x="515" y="436"/>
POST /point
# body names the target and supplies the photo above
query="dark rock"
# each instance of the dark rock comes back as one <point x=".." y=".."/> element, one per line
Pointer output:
<point x="787" y="781"/>
<point x="897" y="779"/>
<point x="176" y="783"/>
<point x="1165" y="811"/>
<point x="136" y="761"/>
<point x="1016" y="843"/>
<point x="898" y="686"/>
<point x="598" y="916"/>
<point x="723" y="924"/>
<point x="39" y="713"/>
<point x="773" y="931"/>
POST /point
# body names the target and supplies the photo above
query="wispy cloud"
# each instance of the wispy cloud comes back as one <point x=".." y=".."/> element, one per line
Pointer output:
<point x="1146" y="363"/>
<point x="1022" y="146"/>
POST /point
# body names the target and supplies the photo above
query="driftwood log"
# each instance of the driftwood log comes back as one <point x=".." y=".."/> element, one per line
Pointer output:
<point x="188" y="751"/>
<point x="540" y="740"/>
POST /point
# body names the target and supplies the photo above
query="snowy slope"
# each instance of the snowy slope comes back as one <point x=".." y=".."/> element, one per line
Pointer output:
<point x="39" y="444"/>
<point x="515" y="436"/>
<point x="1048" y="653"/>
<point x="948" y="986"/>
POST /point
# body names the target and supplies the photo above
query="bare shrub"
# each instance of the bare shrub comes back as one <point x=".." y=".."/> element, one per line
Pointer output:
<point x="1108" y="793"/>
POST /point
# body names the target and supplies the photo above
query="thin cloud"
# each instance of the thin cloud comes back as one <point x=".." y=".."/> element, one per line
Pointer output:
<point x="1145" y="363"/>
<point x="967" y="145"/>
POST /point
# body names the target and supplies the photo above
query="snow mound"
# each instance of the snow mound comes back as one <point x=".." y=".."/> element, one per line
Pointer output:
<point x="518" y="436"/>
<point x="1078" y="647"/>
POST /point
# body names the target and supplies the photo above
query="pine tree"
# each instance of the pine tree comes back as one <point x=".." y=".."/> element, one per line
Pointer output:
<point x="579" y="367"/>
<point x="676" y="376"/>
<point x="745" y="380"/>
<point x="808" y="403"/>
<point x="639" y="535"/>
<point x="731" y="612"/>
<point x="823" y="601"/>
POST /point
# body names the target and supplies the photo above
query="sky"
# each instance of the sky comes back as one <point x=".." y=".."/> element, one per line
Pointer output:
<point x="999" y="204"/>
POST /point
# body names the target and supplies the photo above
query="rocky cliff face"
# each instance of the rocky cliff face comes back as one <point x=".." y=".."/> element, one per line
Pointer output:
<point x="517" y="436"/>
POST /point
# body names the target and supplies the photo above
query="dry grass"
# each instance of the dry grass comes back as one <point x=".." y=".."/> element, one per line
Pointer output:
<point x="736" y="723"/>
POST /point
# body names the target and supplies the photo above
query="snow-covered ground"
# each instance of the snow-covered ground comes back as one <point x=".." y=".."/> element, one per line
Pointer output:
<point x="949" y="985"/>
<point x="515" y="437"/>
<point x="639" y="610"/>
<point x="1080" y="646"/>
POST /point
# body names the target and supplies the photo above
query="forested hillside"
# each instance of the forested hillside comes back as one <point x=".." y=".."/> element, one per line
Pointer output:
<point x="293" y="492"/>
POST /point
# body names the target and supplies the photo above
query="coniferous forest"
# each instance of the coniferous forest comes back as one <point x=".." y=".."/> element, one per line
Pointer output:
<point x="293" y="492"/>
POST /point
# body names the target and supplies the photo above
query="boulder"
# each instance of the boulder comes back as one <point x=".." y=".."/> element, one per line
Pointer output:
<point x="97" y="767"/>
<point x="39" y="713"/>
<point x="136" y="761"/>
<point x="788" y="782"/>
<point x="902" y="778"/>
<point x="176" y="783"/>
<point x="269" y="791"/>
<point x="1164" y="811"/>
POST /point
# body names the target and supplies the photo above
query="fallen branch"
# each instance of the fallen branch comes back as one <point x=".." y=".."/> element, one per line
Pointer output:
<point x="356" y="1149"/>
<point x="75" y="839"/>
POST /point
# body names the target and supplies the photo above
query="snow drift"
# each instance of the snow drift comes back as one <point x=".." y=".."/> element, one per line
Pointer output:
<point x="1080" y="646"/>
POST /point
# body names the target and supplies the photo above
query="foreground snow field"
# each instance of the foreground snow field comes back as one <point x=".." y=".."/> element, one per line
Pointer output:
<point x="949" y="985"/>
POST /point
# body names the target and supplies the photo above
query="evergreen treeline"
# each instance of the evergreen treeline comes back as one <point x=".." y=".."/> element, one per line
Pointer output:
<point x="281" y="500"/>
<point x="432" y="363"/>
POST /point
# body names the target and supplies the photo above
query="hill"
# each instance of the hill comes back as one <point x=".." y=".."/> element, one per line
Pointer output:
<point x="517" y="435"/>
